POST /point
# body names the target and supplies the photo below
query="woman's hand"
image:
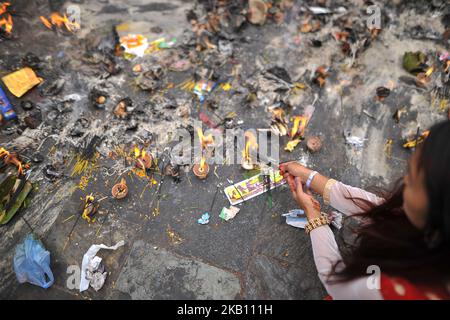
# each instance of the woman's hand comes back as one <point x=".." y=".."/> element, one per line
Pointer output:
<point x="294" y="169"/>
<point x="304" y="199"/>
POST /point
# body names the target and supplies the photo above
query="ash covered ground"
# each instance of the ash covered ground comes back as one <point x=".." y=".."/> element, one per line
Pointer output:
<point x="291" y="57"/>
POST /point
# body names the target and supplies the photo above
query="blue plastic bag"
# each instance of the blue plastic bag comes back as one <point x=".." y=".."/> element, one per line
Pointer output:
<point x="32" y="263"/>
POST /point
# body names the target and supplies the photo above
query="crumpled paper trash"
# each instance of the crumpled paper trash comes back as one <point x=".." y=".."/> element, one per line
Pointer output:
<point x="204" y="219"/>
<point x="229" y="213"/>
<point x="20" y="81"/>
<point x="134" y="44"/>
<point x="90" y="261"/>
<point x="95" y="273"/>
<point x="297" y="218"/>
<point x="414" y="62"/>
<point x="355" y="141"/>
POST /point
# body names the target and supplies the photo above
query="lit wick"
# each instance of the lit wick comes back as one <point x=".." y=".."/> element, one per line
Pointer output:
<point x="247" y="162"/>
<point x="143" y="159"/>
<point x="201" y="170"/>
<point x="120" y="190"/>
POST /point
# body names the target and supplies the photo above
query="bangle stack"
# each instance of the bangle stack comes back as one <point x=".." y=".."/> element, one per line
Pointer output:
<point x="317" y="222"/>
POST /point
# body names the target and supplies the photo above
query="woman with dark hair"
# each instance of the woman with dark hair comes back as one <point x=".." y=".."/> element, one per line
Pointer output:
<point x="405" y="236"/>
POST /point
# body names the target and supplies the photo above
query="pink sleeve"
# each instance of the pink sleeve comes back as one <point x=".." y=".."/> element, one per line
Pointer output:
<point x="336" y="194"/>
<point x="326" y="254"/>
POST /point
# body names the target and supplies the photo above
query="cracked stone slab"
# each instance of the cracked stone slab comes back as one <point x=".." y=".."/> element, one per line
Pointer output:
<point x="160" y="274"/>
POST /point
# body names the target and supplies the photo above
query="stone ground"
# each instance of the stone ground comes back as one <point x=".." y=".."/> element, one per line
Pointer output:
<point x="255" y="255"/>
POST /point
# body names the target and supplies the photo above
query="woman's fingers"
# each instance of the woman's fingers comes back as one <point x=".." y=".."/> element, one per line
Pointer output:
<point x="299" y="184"/>
<point x="283" y="167"/>
<point x="293" y="168"/>
<point x="291" y="183"/>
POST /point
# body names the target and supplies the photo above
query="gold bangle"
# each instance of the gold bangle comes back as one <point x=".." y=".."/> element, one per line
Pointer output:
<point x="317" y="222"/>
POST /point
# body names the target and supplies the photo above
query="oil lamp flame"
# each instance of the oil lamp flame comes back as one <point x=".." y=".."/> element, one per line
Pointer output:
<point x="250" y="144"/>
<point x="59" y="21"/>
<point x="6" y="21"/>
<point x="299" y="126"/>
<point x="11" y="158"/>
<point x="202" y="164"/>
<point x="204" y="140"/>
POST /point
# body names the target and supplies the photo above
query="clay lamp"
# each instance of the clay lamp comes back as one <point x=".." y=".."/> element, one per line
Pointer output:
<point x="143" y="159"/>
<point x="120" y="190"/>
<point x="247" y="164"/>
<point x="201" y="170"/>
<point x="100" y="101"/>
<point x="314" y="144"/>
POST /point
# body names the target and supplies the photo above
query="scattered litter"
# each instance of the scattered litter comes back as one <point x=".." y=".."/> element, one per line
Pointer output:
<point x="53" y="88"/>
<point x="95" y="273"/>
<point x="121" y="110"/>
<point x="134" y="44"/>
<point x="32" y="263"/>
<point x="6" y="109"/>
<point x="382" y="93"/>
<point x="355" y="141"/>
<point x="319" y="10"/>
<point x="203" y="88"/>
<point x="163" y="44"/>
<point x="26" y="105"/>
<point x="91" y="263"/>
<point x="174" y="238"/>
<point x="204" y="219"/>
<point x="229" y="213"/>
<point x="21" y="81"/>
<point x="398" y="114"/>
<point x="414" y="62"/>
<point x="296" y="218"/>
<point x="106" y="113"/>
<point x="320" y="75"/>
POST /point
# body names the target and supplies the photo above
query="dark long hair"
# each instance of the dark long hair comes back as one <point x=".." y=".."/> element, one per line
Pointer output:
<point x="386" y="238"/>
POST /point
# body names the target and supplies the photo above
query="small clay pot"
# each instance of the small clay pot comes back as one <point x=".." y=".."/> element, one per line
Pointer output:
<point x="119" y="190"/>
<point x="201" y="174"/>
<point x="248" y="165"/>
<point x="314" y="144"/>
<point x="257" y="12"/>
<point x="100" y="100"/>
<point x="144" y="162"/>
